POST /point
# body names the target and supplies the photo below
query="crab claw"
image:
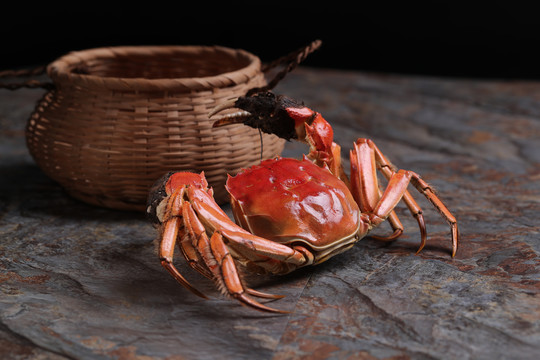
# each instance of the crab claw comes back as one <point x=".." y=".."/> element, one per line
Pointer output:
<point x="272" y="114"/>
<point x="234" y="118"/>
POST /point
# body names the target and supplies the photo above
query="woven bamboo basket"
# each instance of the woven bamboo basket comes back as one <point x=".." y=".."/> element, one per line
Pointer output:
<point x="118" y="118"/>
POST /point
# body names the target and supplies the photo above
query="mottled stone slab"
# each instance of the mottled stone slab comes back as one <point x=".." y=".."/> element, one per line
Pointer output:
<point x="81" y="282"/>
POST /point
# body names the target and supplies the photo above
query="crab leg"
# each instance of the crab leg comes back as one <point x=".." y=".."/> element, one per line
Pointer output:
<point x="363" y="179"/>
<point x="364" y="182"/>
<point x="214" y="219"/>
<point x="217" y="257"/>
<point x="397" y="186"/>
<point x="424" y="188"/>
<point x="229" y="275"/>
<point x="171" y="229"/>
<point x="323" y="150"/>
<point x="191" y="213"/>
<point x="181" y="223"/>
<point x="364" y="186"/>
<point x="186" y="241"/>
<point x="396" y="225"/>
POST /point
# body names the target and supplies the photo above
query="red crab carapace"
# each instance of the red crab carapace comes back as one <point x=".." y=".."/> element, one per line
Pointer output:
<point x="289" y="213"/>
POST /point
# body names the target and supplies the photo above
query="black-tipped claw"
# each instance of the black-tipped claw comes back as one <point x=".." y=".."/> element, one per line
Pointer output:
<point x="265" y="111"/>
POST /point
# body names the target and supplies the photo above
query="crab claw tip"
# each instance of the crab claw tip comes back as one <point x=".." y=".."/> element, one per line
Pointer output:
<point x="264" y="295"/>
<point x="235" y="118"/>
<point x="223" y="106"/>
<point x="247" y="301"/>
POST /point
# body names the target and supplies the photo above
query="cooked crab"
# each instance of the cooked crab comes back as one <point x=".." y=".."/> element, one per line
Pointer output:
<point x="289" y="213"/>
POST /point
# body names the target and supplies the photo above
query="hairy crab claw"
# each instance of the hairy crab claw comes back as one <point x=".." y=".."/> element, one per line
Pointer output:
<point x="268" y="112"/>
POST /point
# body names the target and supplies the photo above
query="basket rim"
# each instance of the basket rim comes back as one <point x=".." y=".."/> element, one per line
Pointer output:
<point x="61" y="70"/>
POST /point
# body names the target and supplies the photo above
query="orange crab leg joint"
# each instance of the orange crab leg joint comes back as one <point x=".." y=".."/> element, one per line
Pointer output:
<point x="312" y="128"/>
<point x="320" y="138"/>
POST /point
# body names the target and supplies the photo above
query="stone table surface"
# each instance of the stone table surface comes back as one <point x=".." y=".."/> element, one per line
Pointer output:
<point x="82" y="282"/>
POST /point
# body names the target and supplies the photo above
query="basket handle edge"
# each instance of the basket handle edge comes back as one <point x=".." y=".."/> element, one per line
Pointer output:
<point x="31" y="83"/>
<point x="292" y="59"/>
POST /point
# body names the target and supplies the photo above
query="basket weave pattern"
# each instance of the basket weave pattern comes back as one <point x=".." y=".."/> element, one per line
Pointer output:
<point x="119" y="118"/>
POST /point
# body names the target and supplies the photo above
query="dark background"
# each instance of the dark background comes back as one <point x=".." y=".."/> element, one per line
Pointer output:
<point x="445" y="38"/>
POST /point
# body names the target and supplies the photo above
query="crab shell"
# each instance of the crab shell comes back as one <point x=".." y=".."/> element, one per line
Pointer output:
<point x="295" y="202"/>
